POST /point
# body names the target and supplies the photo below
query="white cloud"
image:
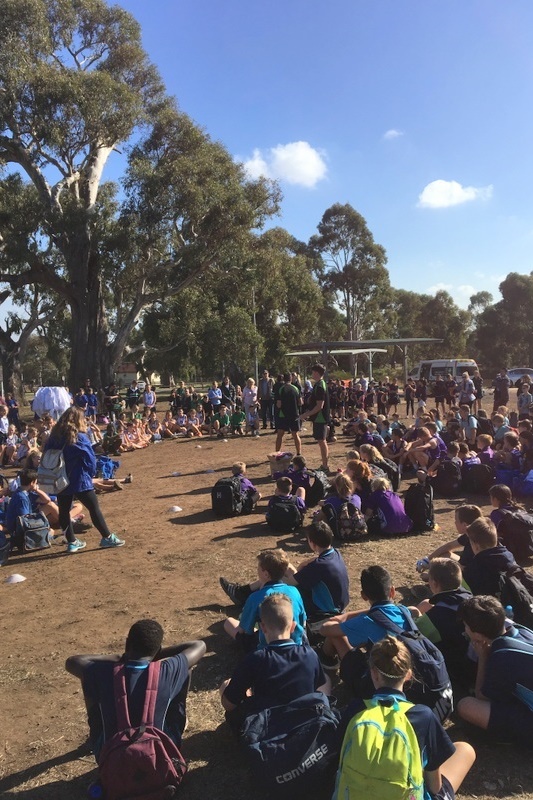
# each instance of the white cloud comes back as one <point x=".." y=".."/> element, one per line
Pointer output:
<point x="296" y="162"/>
<point x="442" y="194"/>
<point x="439" y="287"/>
<point x="392" y="133"/>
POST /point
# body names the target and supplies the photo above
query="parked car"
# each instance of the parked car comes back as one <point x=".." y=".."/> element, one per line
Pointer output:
<point x="516" y="373"/>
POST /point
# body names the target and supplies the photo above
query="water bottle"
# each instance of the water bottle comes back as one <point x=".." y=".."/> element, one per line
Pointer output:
<point x="509" y="613"/>
<point x="95" y="791"/>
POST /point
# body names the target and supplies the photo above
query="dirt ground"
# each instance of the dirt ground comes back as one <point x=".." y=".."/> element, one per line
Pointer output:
<point x="169" y="570"/>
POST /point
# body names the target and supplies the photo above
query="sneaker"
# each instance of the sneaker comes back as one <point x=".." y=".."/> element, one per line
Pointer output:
<point x="237" y="593"/>
<point x="76" y="545"/>
<point x="329" y="663"/>
<point x="128" y="478"/>
<point x="111" y="541"/>
<point x="118" y="486"/>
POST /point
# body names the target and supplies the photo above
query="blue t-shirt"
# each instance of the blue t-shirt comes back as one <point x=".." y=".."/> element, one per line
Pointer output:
<point x="324" y="583"/>
<point x="97" y="682"/>
<point x="81" y="400"/>
<point x="435" y="745"/>
<point x="362" y="628"/>
<point x="21" y="503"/>
<point x="251" y="613"/>
<point x="280" y="672"/>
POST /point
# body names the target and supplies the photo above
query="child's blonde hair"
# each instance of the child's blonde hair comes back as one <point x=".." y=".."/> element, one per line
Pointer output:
<point x="239" y="468"/>
<point x="343" y="485"/>
<point x="484" y="440"/>
<point x="380" y="485"/>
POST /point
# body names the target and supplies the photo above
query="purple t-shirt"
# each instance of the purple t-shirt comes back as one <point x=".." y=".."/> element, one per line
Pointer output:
<point x="337" y="502"/>
<point x="486" y="456"/>
<point x="389" y="508"/>
<point x="247" y="486"/>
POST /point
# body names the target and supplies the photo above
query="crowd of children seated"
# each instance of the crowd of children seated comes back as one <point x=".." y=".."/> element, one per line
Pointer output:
<point x="300" y="630"/>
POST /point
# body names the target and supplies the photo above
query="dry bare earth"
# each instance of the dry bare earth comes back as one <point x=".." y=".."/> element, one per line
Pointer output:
<point x="169" y="570"/>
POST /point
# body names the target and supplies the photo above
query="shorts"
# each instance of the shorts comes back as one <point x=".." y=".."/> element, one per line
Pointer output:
<point x="446" y="790"/>
<point x="320" y="431"/>
<point x="292" y="425"/>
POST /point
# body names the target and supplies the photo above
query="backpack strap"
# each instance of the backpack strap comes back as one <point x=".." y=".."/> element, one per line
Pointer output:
<point x="150" y="697"/>
<point x="380" y="618"/>
<point x="121" y="695"/>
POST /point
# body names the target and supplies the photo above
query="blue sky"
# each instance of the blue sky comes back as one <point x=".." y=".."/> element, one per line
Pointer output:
<point x="417" y="112"/>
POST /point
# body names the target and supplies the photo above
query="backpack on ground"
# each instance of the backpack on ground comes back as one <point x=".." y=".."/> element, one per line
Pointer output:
<point x="227" y="497"/>
<point x="32" y="533"/>
<point x="380" y="756"/>
<point x="348" y="523"/>
<point x="478" y="479"/>
<point x="139" y="762"/>
<point x="418" y="504"/>
<point x="516" y="590"/>
<point x="106" y="467"/>
<point x="515" y="530"/>
<point x="283" y="515"/>
<point x="447" y="481"/>
<point x="318" y="489"/>
<point x="431" y="685"/>
<point x="52" y="473"/>
<point x="292" y="748"/>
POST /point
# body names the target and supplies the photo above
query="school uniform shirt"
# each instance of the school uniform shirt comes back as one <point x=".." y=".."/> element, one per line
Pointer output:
<point x="389" y="507"/>
<point x="247" y="486"/>
<point x="319" y="393"/>
<point x="289" y="397"/>
<point x="482" y="574"/>
<point x="500" y="432"/>
<point x="81" y="400"/>
<point x="97" y="682"/>
<point x="337" y="502"/>
<point x="215" y="397"/>
<point x="300" y="504"/>
<point x="80" y="463"/>
<point x="22" y="502"/>
<point x="324" y="583"/>
<point x="435" y="745"/>
<point x="497" y="514"/>
<point x="4" y="425"/>
<point x="300" y="477"/>
<point x="250" y="613"/>
<point x="279" y="673"/>
<point x="508" y="684"/>
<point x="486" y="456"/>
<point x="441" y="626"/>
<point x="362" y="629"/>
<point x="468" y="554"/>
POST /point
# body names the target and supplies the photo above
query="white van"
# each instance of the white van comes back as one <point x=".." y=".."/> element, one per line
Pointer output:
<point x="443" y="366"/>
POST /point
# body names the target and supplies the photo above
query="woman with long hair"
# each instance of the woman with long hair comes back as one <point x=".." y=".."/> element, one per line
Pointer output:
<point x="69" y="435"/>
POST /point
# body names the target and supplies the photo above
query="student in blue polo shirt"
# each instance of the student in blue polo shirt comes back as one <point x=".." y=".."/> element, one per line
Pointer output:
<point x="143" y="645"/>
<point x="323" y="579"/>
<point x="271" y="568"/>
<point x="503" y="704"/>
<point x="346" y="632"/>
<point x="278" y="673"/>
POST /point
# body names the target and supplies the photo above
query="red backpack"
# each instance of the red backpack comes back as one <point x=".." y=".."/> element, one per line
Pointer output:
<point x="139" y="762"/>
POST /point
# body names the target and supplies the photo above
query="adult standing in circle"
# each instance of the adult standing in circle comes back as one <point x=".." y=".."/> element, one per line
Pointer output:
<point x="466" y="391"/>
<point x="214" y="395"/>
<point x="501" y="389"/>
<point x="289" y="402"/>
<point x="477" y="380"/>
<point x="265" y="399"/>
<point x="69" y="435"/>
<point x="318" y="412"/>
<point x="249" y="395"/>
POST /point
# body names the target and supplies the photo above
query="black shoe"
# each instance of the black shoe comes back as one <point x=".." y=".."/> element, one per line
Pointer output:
<point x="329" y="663"/>
<point x="237" y="593"/>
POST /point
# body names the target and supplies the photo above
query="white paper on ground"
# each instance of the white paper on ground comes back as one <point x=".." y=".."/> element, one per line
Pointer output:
<point x="16" y="578"/>
<point x="173" y="509"/>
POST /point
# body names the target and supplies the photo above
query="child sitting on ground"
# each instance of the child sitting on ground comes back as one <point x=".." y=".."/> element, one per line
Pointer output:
<point x="297" y="472"/>
<point x="464" y="516"/>
<point x="237" y="421"/>
<point x="193" y="424"/>
<point x="271" y="568"/>
<point x="491" y="559"/>
<point x="437" y="618"/>
<point x="509" y="456"/>
<point x="395" y="449"/>
<point x="252" y="420"/>
<point x="220" y="422"/>
<point x="385" y="511"/>
<point x="484" y="447"/>
<point x="277" y="674"/>
<point x="252" y="496"/>
<point x="282" y="497"/>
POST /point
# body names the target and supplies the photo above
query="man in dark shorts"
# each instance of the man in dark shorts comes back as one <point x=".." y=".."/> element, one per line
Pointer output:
<point x="319" y="412"/>
<point x="143" y="645"/>
<point x="288" y="404"/>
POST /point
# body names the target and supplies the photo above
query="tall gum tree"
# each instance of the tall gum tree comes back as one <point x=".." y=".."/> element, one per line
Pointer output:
<point x="75" y="85"/>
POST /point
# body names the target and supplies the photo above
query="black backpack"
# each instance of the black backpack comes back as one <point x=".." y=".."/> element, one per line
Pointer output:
<point x="479" y="478"/>
<point x="391" y="471"/>
<point x="515" y="531"/>
<point x="431" y="685"/>
<point x="227" y="497"/>
<point x="515" y="589"/>
<point x="447" y="481"/>
<point x="292" y="748"/>
<point x="348" y="523"/>
<point x="418" y="502"/>
<point x="485" y="425"/>
<point x="318" y="489"/>
<point x="283" y="515"/>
